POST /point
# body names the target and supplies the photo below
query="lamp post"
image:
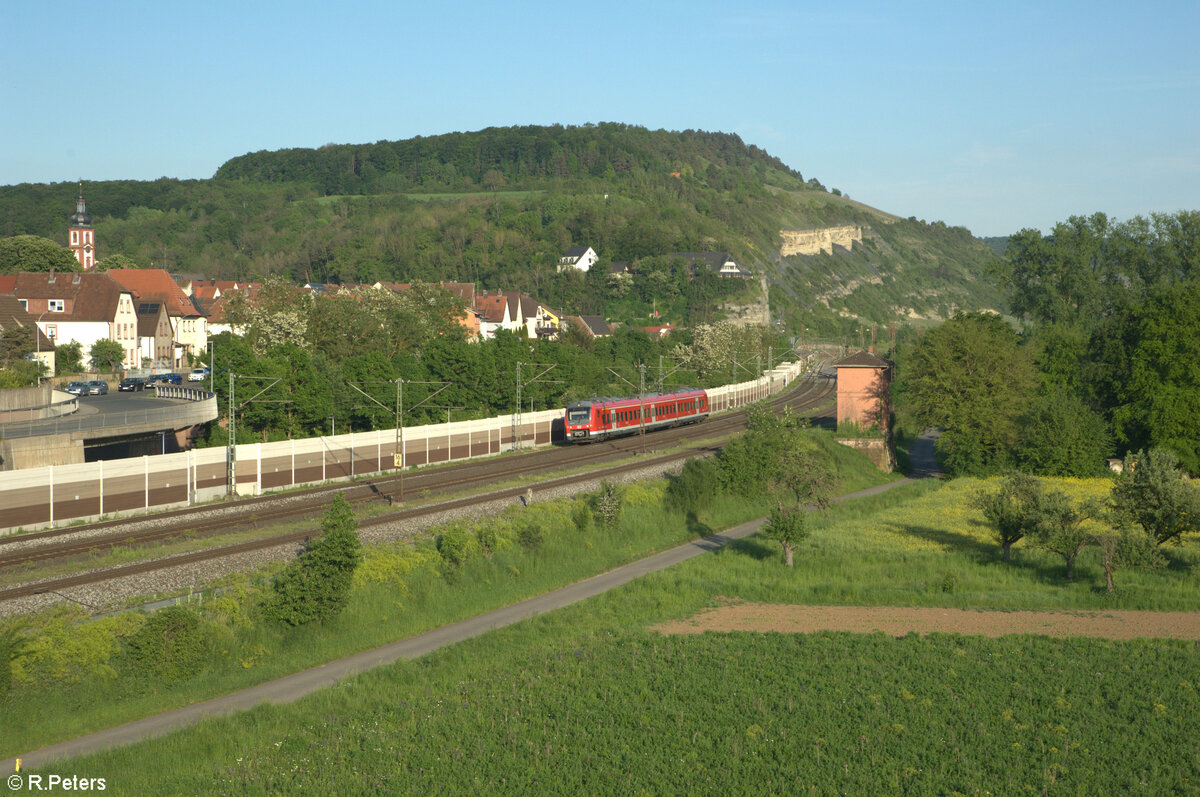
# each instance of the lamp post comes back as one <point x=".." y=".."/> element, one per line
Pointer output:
<point x="37" y="339"/>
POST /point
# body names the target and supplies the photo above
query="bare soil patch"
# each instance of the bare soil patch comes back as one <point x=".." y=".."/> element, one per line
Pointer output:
<point x="899" y="621"/>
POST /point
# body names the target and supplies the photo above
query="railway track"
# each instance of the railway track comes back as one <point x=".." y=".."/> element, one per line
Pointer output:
<point x="261" y="512"/>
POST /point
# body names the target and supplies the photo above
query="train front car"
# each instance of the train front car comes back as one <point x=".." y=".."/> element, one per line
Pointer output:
<point x="579" y="422"/>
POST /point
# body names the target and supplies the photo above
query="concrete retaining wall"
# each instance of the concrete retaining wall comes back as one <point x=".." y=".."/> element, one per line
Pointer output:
<point x="875" y="449"/>
<point x="35" y="404"/>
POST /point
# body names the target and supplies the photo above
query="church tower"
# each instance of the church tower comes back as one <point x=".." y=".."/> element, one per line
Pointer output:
<point x="81" y="236"/>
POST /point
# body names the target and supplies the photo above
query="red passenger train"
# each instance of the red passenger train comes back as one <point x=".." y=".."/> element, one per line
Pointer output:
<point x="602" y="418"/>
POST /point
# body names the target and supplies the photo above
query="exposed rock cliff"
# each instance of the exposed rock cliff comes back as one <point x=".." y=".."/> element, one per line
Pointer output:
<point x="811" y="242"/>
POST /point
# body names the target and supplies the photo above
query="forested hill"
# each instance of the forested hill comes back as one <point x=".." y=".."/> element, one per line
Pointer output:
<point x="499" y="206"/>
<point x="516" y="158"/>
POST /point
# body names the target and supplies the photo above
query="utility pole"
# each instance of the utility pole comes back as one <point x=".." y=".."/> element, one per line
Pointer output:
<point x="231" y="452"/>
<point x="522" y="382"/>
<point x="398" y="452"/>
<point x="642" y="403"/>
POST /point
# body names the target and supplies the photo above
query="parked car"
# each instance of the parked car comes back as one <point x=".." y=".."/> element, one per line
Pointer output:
<point x="97" y="387"/>
<point x="171" y="379"/>
<point x="199" y="374"/>
<point x="132" y="383"/>
<point x="76" y="388"/>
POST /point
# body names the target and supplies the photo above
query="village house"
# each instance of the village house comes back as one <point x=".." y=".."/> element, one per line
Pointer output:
<point x="81" y="307"/>
<point x="578" y="257"/>
<point x="593" y="325"/>
<point x="720" y="262"/>
<point x="13" y="316"/>
<point x="189" y="326"/>
<point x="156" y="340"/>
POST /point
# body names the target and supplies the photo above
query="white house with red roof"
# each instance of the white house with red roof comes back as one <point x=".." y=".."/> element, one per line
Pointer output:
<point x="81" y="306"/>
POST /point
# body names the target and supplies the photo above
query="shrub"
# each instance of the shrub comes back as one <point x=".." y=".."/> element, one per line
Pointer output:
<point x="694" y="488"/>
<point x="488" y="539"/>
<point x="581" y="516"/>
<point x="315" y="585"/>
<point x="529" y="536"/>
<point x="456" y="545"/>
<point x="607" y="504"/>
<point x="63" y="649"/>
<point x="170" y="645"/>
<point x="13" y="642"/>
<point x="391" y="566"/>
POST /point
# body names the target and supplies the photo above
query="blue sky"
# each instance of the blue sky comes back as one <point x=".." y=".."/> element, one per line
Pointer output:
<point x="992" y="116"/>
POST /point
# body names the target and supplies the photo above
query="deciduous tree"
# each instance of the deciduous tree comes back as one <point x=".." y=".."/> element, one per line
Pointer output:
<point x="1122" y="548"/>
<point x="1011" y="510"/>
<point x="972" y="378"/>
<point x="793" y="471"/>
<point x="1154" y="492"/>
<point x="106" y="355"/>
<point x="1062" y="436"/>
<point x="1059" y="526"/>
<point x="68" y="358"/>
<point x="1159" y="401"/>
<point x="34" y="253"/>
<point x="115" y="261"/>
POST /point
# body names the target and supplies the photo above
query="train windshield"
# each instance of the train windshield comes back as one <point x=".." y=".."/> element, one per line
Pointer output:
<point x="578" y="415"/>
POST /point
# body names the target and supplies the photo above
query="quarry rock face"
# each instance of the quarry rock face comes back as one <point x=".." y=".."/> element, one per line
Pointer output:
<point x="811" y="242"/>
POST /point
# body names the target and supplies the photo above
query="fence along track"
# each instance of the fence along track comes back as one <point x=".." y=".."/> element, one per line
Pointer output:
<point x="256" y="509"/>
<point x="809" y="395"/>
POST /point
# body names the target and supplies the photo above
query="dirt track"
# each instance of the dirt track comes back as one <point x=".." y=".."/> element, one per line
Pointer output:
<point x="899" y="621"/>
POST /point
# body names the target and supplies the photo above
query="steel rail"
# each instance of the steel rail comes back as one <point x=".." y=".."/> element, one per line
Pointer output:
<point x="810" y="395"/>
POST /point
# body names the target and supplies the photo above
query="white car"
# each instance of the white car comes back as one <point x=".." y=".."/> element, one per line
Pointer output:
<point x="199" y="374"/>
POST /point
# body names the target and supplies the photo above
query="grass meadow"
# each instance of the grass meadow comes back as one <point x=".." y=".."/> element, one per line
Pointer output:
<point x="588" y="699"/>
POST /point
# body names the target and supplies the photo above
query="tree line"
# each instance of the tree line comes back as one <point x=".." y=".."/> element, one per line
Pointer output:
<point x="1102" y="360"/>
<point x="319" y="346"/>
<point x="512" y="157"/>
<point x="1151" y="504"/>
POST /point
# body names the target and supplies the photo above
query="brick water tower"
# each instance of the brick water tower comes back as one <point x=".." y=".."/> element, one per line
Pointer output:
<point x="863" y="381"/>
<point x="863" y="409"/>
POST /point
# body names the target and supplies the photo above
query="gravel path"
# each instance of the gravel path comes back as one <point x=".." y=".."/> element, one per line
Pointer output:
<point x="900" y="621"/>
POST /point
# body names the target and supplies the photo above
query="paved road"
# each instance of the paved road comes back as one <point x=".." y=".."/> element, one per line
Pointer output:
<point x="116" y="410"/>
<point x="298" y="685"/>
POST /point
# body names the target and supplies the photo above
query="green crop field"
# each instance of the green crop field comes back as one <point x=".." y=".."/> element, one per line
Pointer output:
<point x="554" y="709"/>
<point x="590" y="699"/>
